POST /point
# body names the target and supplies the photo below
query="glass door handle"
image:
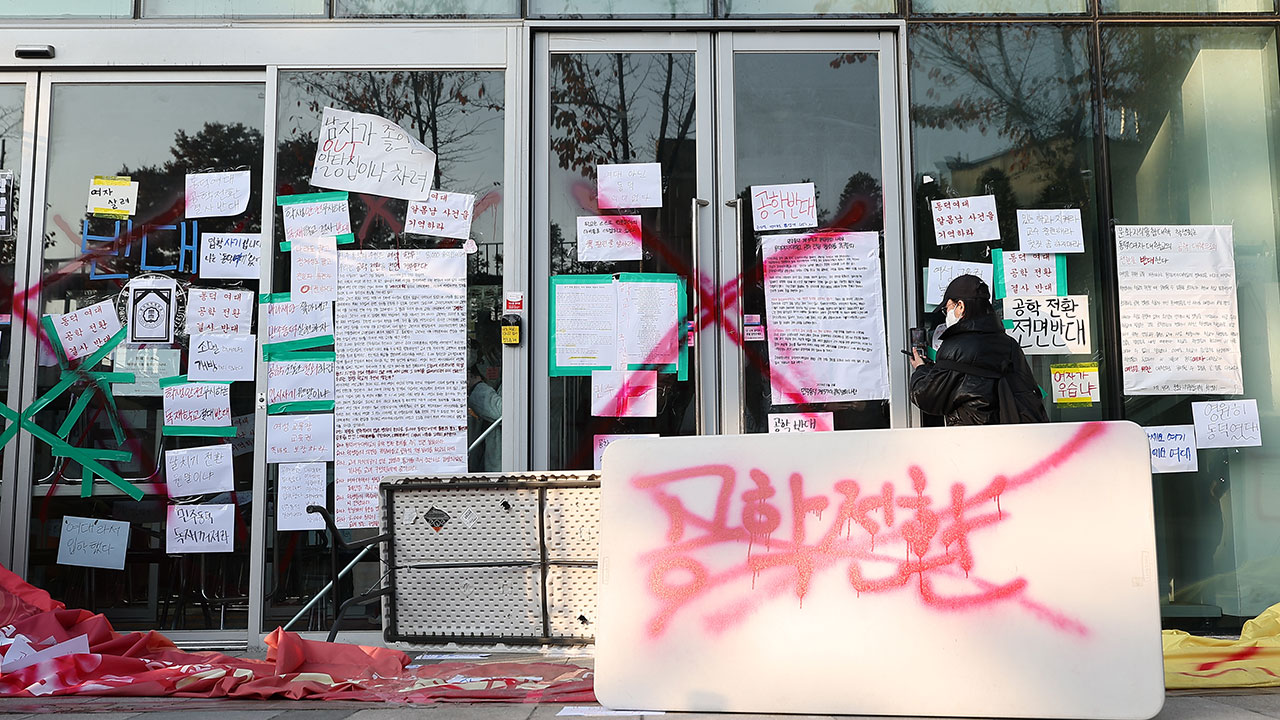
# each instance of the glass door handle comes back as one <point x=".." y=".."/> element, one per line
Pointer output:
<point x="695" y="241"/>
<point x="736" y="204"/>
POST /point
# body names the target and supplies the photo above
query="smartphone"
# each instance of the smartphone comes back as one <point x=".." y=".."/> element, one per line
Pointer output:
<point x="918" y="341"/>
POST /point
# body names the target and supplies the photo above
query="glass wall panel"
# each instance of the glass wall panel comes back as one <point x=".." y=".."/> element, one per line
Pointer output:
<point x="234" y="8"/>
<point x="1187" y="6"/>
<point x="618" y="8"/>
<point x="67" y="8"/>
<point x="459" y="116"/>
<point x="999" y="7"/>
<point x="1008" y="110"/>
<point x="1191" y="124"/>
<point x="426" y="8"/>
<point x="815" y="8"/>
<point x="12" y="110"/>
<point x="619" y="108"/>
<point x="153" y="134"/>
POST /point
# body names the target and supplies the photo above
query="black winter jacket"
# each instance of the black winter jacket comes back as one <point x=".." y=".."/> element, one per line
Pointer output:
<point x="960" y="398"/>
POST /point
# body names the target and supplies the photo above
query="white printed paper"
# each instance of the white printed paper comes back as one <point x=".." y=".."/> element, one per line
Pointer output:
<point x="401" y="373"/>
<point x="633" y="185"/>
<point x="603" y="441"/>
<point x="293" y="320"/>
<point x="317" y="218"/>
<point x="1050" y="324"/>
<point x="152" y="304"/>
<point x="197" y="404"/>
<point x="314" y="262"/>
<point x="211" y="310"/>
<point x="148" y="365"/>
<point x="112" y="196"/>
<point x="21" y="655"/>
<point x="965" y="220"/>
<point x="1227" y="423"/>
<point x="603" y="238"/>
<point x="219" y="358"/>
<point x="297" y="486"/>
<point x="199" y="470"/>
<point x="826" y="318"/>
<point x="217" y="194"/>
<point x="585" y="324"/>
<point x="230" y="256"/>
<point x="801" y="422"/>
<point x="753" y="333"/>
<point x="942" y="272"/>
<point x="1173" y="448"/>
<point x="783" y="207"/>
<point x="200" y="528"/>
<point x="292" y="381"/>
<point x="441" y="214"/>
<point x="624" y="393"/>
<point x="1029" y="274"/>
<point x="1050" y="231"/>
<point x="83" y="331"/>
<point x="91" y="542"/>
<point x="648" y="323"/>
<point x="1179" y="329"/>
<point x="369" y="154"/>
<point x="299" y="438"/>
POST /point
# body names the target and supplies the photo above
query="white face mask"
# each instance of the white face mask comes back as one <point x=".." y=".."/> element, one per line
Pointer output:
<point x="952" y="318"/>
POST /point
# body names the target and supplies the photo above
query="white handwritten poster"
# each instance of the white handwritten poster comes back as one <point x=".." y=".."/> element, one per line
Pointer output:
<point x="609" y="238"/>
<point x="199" y="470"/>
<point x="825" y="308"/>
<point x="801" y="422"/>
<point x="299" y="438"/>
<point x="442" y="214"/>
<point x="1227" y="423"/>
<point x="1028" y="274"/>
<point x="1179" y="329"/>
<point x="92" y="542"/>
<point x="230" y="256"/>
<point x="83" y="331"/>
<point x="211" y="310"/>
<point x="585" y="324"/>
<point x="1075" y="383"/>
<point x="242" y="443"/>
<point x="112" y="196"/>
<point x="1049" y="325"/>
<point x="314" y="262"/>
<point x="192" y="404"/>
<point x="297" y="486"/>
<point x="603" y="441"/>
<point x="200" y="529"/>
<point x="1173" y="448"/>
<point x="942" y="272"/>
<point x="315" y="215"/>
<point x="783" y="207"/>
<point x="299" y="383"/>
<point x="287" y="320"/>
<point x="624" y="393"/>
<point x="217" y="194"/>
<point x="1050" y="231"/>
<point x="633" y="185"/>
<point x="401" y="372"/>
<point x="369" y="154"/>
<point x="220" y="358"/>
<point x="964" y="220"/>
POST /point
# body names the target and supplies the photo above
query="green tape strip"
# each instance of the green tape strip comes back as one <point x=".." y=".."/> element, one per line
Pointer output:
<point x="268" y="298"/>
<point x="305" y="356"/>
<point x="182" y="380"/>
<point x="86" y="482"/>
<point x="68" y="379"/>
<point x="270" y="351"/>
<point x="62" y="449"/>
<point x="300" y="406"/>
<point x="113" y="416"/>
<point x="998" y="288"/>
<point x="106" y="349"/>
<point x="56" y="342"/>
<point x="113" y="377"/>
<point x="1062" y="274"/>
<point x="311" y="198"/>
<point x="77" y="410"/>
<point x="197" y="431"/>
<point x="343" y="239"/>
<point x="100" y="454"/>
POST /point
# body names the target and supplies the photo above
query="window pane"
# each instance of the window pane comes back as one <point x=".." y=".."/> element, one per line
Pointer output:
<point x="233" y="8"/>
<point x="984" y="7"/>
<point x="1187" y="147"/>
<point x="1187" y="6"/>
<point x="426" y="8"/>
<point x="618" y="8"/>
<point x="459" y="116"/>
<point x="1007" y="110"/>
<point x="806" y="7"/>
<point x="67" y="8"/>
<point x="155" y="134"/>
<point x="12" y="108"/>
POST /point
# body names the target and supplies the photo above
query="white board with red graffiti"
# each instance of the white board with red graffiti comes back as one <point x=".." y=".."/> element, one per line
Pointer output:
<point x="1004" y="571"/>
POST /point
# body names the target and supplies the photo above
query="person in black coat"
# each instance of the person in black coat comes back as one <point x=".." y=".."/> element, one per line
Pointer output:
<point x="962" y="386"/>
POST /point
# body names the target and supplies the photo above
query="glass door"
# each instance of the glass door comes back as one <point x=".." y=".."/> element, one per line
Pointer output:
<point x="653" y="156"/>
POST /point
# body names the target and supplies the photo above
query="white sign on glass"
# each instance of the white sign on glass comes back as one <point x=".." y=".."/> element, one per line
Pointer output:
<point x="217" y="357"/>
<point x="211" y="310"/>
<point x="299" y="438"/>
<point x="315" y="215"/>
<point x="633" y="185"/>
<point x="83" y="331"/>
<point x="1227" y="423"/>
<point x="942" y="272"/>
<point x="624" y="393"/>
<point x="965" y="220"/>
<point x="290" y="320"/>
<point x="197" y="404"/>
<point x="1029" y="273"/>
<point x="603" y="441"/>
<point x="1173" y="448"/>
<point x="442" y="214"/>
<point x="230" y="256"/>
<point x="1050" y="324"/>
<point x="295" y="381"/>
<point x="217" y="194"/>
<point x="609" y="238"/>
<point x="297" y="486"/>
<point x="783" y="207"/>
<point x="112" y="196"/>
<point x="199" y="470"/>
<point x="370" y="154"/>
<point x="152" y="305"/>
<point x="1050" y="231"/>
<point x="314" y="261"/>
<point x="200" y="528"/>
<point x="91" y="542"/>
<point x="801" y="422"/>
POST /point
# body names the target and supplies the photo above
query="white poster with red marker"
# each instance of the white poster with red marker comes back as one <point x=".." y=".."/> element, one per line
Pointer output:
<point x="603" y="238"/>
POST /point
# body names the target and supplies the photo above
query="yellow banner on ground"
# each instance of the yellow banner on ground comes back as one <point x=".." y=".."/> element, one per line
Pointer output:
<point x="1202" y="662"/>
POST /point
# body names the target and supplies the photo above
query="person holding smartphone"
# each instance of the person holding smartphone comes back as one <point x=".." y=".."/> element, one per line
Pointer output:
<point x="981" y="376"/>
